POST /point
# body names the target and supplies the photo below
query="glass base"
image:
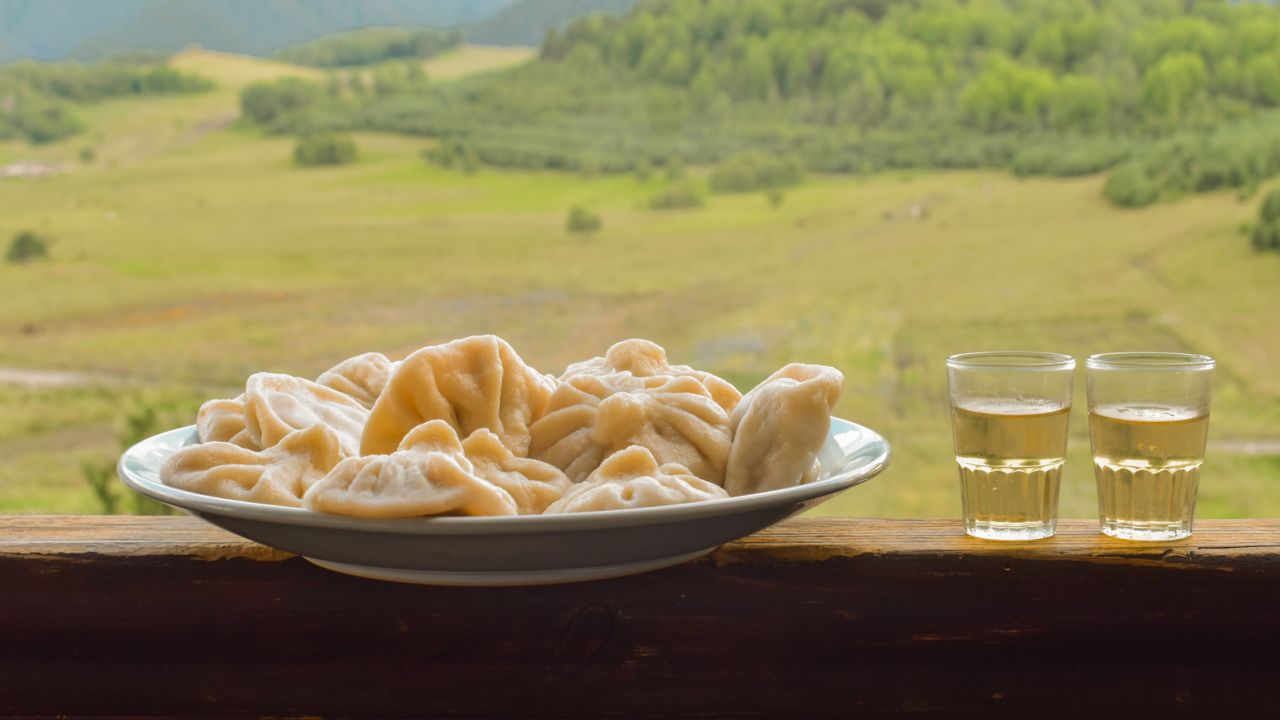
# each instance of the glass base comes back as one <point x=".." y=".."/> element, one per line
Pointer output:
<point x="989" y="530"/>
<point x="1147" y="530"/>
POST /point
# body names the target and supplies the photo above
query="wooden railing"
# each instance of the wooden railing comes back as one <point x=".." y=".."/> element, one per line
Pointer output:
<point x="815" y="617"/>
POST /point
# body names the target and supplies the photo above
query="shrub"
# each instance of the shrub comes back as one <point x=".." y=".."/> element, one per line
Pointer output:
<point x="582" y="220"/>
<point x="42" y="121"/>
<point x="442" y="155"/>
<point x="265" y="102"/>
<point x="776" y="196"/>
<point x="27" y="246"/>
<point x="1129" y="186"/>
<point x="676" y="197"/>
<point x="87" y="155"/>
<point x="1068" y="160"/>
<point x="325" y="149"/>
<point x="756" y="171"/>
<point x="144" y="416"/>
<point x="1266" y="236"/>
<point x="1270" y="211"/>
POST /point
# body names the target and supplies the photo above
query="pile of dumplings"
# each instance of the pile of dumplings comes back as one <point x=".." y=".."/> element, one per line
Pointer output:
<point x="467" y="428"/>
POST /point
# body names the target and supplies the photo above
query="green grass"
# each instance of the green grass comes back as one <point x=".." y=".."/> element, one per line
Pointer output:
<point x="194" y="252"/>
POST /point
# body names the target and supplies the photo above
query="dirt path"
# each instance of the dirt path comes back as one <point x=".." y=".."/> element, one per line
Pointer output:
<point x="28" y="378"/>
<point x="1236" y="446"/>
<point x="204" y="128"/>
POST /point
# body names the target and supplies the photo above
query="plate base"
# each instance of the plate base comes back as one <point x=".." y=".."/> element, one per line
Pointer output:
<point x="505" y="578"/>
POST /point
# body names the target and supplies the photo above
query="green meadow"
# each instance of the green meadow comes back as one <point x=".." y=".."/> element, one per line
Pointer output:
<point x="192" y="251"/>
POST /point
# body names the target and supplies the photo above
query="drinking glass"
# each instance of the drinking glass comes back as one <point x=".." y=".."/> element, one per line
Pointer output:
<point x="1148" y="419"/>
<point x="1009" y="413"/>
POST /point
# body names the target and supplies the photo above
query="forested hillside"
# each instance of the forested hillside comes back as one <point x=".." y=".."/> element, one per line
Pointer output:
<point x="1184" y="91"/>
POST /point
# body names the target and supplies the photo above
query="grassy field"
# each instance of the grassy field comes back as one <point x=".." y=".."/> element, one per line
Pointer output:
<point x="193" y="252"/>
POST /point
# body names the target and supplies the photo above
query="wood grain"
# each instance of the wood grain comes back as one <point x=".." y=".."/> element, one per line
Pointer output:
<point x="812" y="618"/>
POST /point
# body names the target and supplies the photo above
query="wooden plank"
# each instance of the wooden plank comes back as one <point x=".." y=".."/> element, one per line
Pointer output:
<point x="813" y="618"/>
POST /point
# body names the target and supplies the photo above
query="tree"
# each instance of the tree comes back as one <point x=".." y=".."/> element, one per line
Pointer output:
<point x="325" y="149"/>
<point x="1266" y="233"/>
<point x="388" y="81"/>
<point x="1129" y="186"/>
<point x="415" y="75"/>
<point x="1173" y="85"/>
<point x="756" y="171"/>
<point x="1270" y="210"/>
<point x="676" y="197"/>
<point x="582" y="221"/>
<point x="25" y="247"/>
<point x="1079" y="102"/>
<point x="1008" y="95"/>
<point x="1048" y="46"/>
<point x="753" y="76"/>
<point x="355" y="81"/>
<point x="1262" y="78"/>
<point x="264" y="102"/>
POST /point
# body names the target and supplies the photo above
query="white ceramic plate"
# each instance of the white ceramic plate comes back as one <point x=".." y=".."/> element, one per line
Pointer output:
<point x="520" y="550"/>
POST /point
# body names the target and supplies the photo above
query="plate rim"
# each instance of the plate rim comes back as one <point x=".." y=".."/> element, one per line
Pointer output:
<point x="454" y="525"/>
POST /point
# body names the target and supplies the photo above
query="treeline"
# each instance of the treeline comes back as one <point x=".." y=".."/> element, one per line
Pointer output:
<point x="370" y="45"/>
<point x="1183" y="91"/>
<point x="36" y="98"/>
<point x="292" y="104"/>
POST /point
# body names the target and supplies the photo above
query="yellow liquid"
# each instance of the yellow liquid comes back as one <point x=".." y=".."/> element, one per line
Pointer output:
<point x="1147" y="462"/>
<point x="1010" y="458"/>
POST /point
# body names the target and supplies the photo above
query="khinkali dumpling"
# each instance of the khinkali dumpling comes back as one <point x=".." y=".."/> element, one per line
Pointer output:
<point x="276" y="405"/>
<point x="532" y="484"/>
<point x="223" y="421"/>
<point x="431" y="475"/>
<point x="645" y="359"/>
<point x="779" y="427"/>
<point x="361" y="378"/>
<point x="278" y="475"/>
<point x="632" y="478"/>
<point x="631" y="396"/>
<point x="473" y="383"/>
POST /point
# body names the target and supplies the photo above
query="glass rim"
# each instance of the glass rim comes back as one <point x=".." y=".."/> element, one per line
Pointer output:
<point x="1149" y="361"/>
<point x="1029" y="360"/>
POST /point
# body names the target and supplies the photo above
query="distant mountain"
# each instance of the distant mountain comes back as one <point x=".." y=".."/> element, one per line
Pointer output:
<point x="11" y="47"/>
<point x="527" y="22"/>
<point x="48" y="29"/>
<point x="89" y="29"/>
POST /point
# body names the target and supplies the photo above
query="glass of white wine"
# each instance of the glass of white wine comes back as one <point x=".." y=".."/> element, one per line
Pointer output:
<point x="1148" y="420"/>
<point x="1009" y="413"/>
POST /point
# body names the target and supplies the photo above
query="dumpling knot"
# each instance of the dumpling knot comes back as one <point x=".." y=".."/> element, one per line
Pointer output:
<point x="622" y="415"/>
<point x="638" y="357"/>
